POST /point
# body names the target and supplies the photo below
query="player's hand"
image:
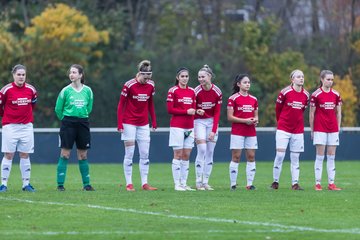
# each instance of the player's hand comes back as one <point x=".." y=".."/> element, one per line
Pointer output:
<point x="211" y="136"/>
<point x="191" y="111"/>
<point x="200" y="112"/>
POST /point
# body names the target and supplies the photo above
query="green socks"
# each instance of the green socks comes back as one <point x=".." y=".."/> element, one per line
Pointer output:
<point x="84" y="170"/>
<point x="61" y="170"/>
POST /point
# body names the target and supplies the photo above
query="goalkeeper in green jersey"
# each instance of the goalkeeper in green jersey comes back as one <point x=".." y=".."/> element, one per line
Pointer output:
<point x="73" y="106"/>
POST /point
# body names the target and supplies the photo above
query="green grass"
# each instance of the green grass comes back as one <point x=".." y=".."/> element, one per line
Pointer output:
<point x="112" y="213"/>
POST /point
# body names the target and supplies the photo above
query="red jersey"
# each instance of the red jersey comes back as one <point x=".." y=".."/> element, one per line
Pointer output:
<point x="210" y="101"/>
<point x="325" y="115"/>
<point x="179" y="100"/>
<point x="135" y="104"/>
<point x="290" y="106"/>
<point x="244" y="107"/>
<point x="17" y="103"/>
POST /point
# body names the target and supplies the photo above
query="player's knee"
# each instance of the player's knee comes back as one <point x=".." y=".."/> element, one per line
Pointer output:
<point x="9" y="156"/>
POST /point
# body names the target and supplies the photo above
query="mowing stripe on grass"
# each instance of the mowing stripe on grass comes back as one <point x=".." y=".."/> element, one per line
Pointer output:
<point x="51" y="233"/>
<point x="211" y="219"/>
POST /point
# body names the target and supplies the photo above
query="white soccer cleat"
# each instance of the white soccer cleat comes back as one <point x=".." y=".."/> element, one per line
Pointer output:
<point x="180" y="188"/>
<point x="188" y="188"/>
<point x="200" y="187"/>
<point x="207" y="187"/>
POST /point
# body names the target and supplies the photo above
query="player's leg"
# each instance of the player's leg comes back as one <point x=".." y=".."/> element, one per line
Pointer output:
<point x="8" y="147"/>
<point x="282" y="140"/>
<point x="333" y="142"/>
<point x="200" y="133"/>
<point x="296" y="147"/>
<point x="250" y="146"/>
<point x="236" y="146"/>
<point x="25" y="147"/>
<point x="128" y="136"/>
<point x="319" y="140"/>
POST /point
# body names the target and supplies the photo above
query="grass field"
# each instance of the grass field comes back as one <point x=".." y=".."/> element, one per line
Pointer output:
<point x="112" y="213"/>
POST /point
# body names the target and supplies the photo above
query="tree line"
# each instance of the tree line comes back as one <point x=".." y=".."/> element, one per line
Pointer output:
<point x="264" y="38"/>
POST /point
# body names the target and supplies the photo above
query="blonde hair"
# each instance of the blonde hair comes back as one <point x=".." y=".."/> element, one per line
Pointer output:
<point x="144" y="66"/>
<point x="207" y="69"/>
<point x="293" y="73"/>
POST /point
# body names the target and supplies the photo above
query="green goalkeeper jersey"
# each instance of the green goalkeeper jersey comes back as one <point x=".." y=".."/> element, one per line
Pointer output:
<point x="73" y="103"/>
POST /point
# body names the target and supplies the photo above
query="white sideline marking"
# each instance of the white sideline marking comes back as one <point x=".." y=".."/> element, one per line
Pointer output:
<point x="280" y="227"/>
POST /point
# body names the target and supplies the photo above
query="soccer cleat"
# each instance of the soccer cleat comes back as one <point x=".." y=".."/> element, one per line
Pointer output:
<point x="200" y="187"/>
<point x="130" y="188"/>
<point x="147" y="187"/>
<point x="3" y="188"/>
<point x="296" y="187"/>
<point x="188" y="188"/>
<point x="88" y="188"/>
<point x="60" y="188"/>
<point x="233" y="188"/>
<point x="333" y="187"/>
<point x="251" y="187"/>
<point x="28" y="188"/>
<point x="180" y="188"/>
<point x="208" y="187"/>
<point x="318" y="187"/>
<point x="274" y="185"/>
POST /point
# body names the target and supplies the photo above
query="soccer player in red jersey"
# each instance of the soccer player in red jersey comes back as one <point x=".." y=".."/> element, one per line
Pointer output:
<point x="208" y="106"/>
<point x="136" y="102"/>
<point x="325" y="121"/>
<point x="17" y="102"/>
<point x="242" y="112"/>
<point x="290" y="106"/>
<point x="181" y="105"/>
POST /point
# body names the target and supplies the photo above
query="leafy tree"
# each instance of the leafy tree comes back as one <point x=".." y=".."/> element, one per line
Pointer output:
<point x="10" y="52"/>
<point x="57" y="38"/>
<point x="348" y="93"/>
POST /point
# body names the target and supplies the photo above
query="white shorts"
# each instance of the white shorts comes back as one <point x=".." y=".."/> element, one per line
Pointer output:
<point x="203" y="128"/>
<point x="241" y="142"/>
<point x="178" y="139"/>
<point x="296" y="141"/>
<point x="132" y="133"/>
<point x="323" y="138"/>
<point x="17" y="137"/>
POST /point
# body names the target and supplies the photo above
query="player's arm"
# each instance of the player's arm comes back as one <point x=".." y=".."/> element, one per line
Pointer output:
<point x="2" y="104"/>
<point x="120" y="110"/>
<point x="171" y="108"/>
<point x="312" y="116"/>
<point x="279" y="105"/>
<point x="338" y="115"/>
<point x="91" y="101"/>
<point x="233" y="119"/>
<point x="217" y="112"/>
<point x="152" y="112"/>
<point x="59" y="106"/>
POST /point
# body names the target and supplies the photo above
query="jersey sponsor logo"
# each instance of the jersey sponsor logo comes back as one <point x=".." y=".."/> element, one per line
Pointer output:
<point x="78" y="103"/>
<point x="206" y="105"/>
<point x="246" y="108"/>
<point x="21" y="101"/>
<point x="141" y="97"/>
<point x="186" y="100"/>
<point x="328" y="105"/>
<point x="296" y="105"/>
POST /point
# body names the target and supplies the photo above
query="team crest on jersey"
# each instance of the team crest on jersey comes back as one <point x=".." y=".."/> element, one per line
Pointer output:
<point x="328" y="105"/>
<point x="21" y="101"/>
<point x="186" y="100"/>
<point x="141" y="97"/>
<point x="296" y="105"/>
<point x="246" y="108"/>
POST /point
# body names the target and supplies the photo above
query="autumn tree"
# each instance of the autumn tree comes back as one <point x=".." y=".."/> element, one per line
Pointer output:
<point x="57" y="38"/>
<point x="348" y="93"/>
<point x="10" y="51"/>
